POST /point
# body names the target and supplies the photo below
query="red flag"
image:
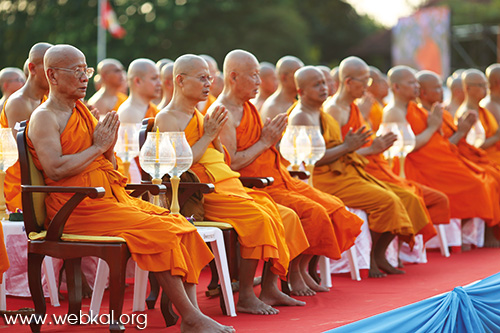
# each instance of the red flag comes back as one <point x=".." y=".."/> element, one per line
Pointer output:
<point x="109" y="21"/>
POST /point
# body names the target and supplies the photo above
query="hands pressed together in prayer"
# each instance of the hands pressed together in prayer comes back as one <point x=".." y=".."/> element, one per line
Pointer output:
<point x="435" y="118"/>
<point x="357" y="139"/>
<point x="273" y="129"/>
<point x="214" y="122"/>
<point x="106" y="133"/>
<point x="384" y="142"/>
<point x="465" y="122"/>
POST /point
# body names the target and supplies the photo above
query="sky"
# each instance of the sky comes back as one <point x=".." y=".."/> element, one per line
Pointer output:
<point x="385" y="12"/>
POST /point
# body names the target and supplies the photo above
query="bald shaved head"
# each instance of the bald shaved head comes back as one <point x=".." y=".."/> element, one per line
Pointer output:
<point x="241" y="74"/>
<point x="37" y="52"/>
<point x="352" y="67"/>
<point x="266" y="68"/>
<point x="61" y="56"/>
<point x="431" y="88"/>
<point x="267" y="73"/>
<point x="328" y="78"/>
<point x="493" y="75"/>
<point x="472" y="76"/>
<point x="311" y="85"/>
<point x="139" y="68"/>
<point x="379" y="87"/>
<point x="403" y="83"/>
<point x="167" y="72"/>
<point x="474" y="84"/>
<point x="162" y="62"/>
<point x="212" y="64"/>
<point x="188" y="64"/>
<point x="108" y="64"/>
<point x="288" y="64"/>
<point x="11" y="78"/>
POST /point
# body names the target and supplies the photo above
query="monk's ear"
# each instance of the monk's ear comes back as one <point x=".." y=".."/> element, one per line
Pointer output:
<point x="179" y="80"/>
<point x="31" y="68"/>
<point x="233" y="75"/>
<point x="51" y="77"/>
<point x="136" y="80"/>
<point x="299" y="91"/>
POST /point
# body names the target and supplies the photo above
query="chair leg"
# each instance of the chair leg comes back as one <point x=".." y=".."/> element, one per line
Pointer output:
<point x="74" y="282"/>
<point x="153" y="293"/>
<point x="101" y="277"/>
<point x="313" y="269"/>
<point x="443" y="242"/>
<point x="48" y="269"/>
<point x="117" y="266"/>
<point x="35" y="284"/>
<point x="214" y="282"/>
<point x="324" y="269"/>
<point x="167" y="311"/>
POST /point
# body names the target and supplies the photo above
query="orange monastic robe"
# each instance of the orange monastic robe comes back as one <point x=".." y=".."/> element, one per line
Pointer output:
<point x="121" y="98"/>
<point x="4" y="259"/>
<point x="210" y="100"/>
<point x="157" y="241"/>
<point x="12" y="185"/>
<point x="347" y="179"/>
<point x="376" y="114"/>
<point x="152" y="111"/>
<point x="253" y="214"/>
<point x="329" y="227"/>
<point x="437" y="204"/>
<point x="490" y="127"/>
<point x="438" y="164"/>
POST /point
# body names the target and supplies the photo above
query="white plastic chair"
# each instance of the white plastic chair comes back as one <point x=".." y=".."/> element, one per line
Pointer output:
<point x="210" y="235"/>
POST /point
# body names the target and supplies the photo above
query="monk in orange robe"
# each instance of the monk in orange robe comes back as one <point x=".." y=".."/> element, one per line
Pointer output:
<point x="435" y="161"/>
<point x="213" y="69"/>
<point x="475" y="87"/>
<point x="265" y="231"/>
<point x="341" y="172"/>
<point x="355" y="78"/>
<point x="71" y="148"/>
<point x="11" y="80"/>
<point x="492" y="101"/>
<point x="286" y="94"/>
<point x="167" y="85"/>
<point x="4" y="259"/>
<point x="431" y="92"/>
<point x="329" y="227"/>
<point x="377" y="90"/>
<point x="436" y="202"/>
<point x="18" y="108"/>
<point x="268" y="85"/>
<point x="109" y="97"/>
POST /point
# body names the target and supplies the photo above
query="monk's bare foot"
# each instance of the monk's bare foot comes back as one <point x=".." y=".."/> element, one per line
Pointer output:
<point x="400" y="263"/>
<point x="275" y="297"/>
<point x="254" y="305"/>
<point x="490" y="239"/>
<point x="298" y="286"/>
<point x="384" y="265"/>
<point x="374" y="272"/>
<point x="313" y="284"/>
<point x="200" y="323"/>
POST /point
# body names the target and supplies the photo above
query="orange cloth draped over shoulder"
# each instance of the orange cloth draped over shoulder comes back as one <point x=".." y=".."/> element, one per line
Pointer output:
<point x="152" y="111"/>
<point x="490" y="127"/>
<point x="210" y="100"/>
<point x="439" y="164"/>
<point x="347" y="179"/>
<point x="329" y="227"/>
<point x="4" y="259"/>
<point x="434" y="204"/>
<point x="12" y="185"/>
<point x="121" y="98"/>
<point x="157" y="241"/>
<point x="253" y="214"/>
<point x="376" y="114"/>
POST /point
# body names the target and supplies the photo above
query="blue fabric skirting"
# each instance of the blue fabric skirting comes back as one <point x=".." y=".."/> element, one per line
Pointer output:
<point x="475" y="309"/>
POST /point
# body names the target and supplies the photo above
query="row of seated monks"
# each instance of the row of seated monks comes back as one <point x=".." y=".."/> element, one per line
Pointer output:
<point x="233" y="121"/>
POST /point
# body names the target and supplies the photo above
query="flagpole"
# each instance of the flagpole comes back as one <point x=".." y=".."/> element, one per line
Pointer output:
<point x="101" y="33"/>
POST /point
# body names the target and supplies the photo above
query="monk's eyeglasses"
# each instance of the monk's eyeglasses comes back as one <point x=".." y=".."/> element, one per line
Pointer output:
<point x="366" y="82"/>
<point x="201" y="78"/>
<point x="78" y="72"/>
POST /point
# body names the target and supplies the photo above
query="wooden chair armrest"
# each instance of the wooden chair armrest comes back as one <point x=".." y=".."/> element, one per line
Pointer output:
<point x="254" y="182"/>
<point x="56" y="226"/>
<point x="300" y="174"/>
<point x="140" y="189"/>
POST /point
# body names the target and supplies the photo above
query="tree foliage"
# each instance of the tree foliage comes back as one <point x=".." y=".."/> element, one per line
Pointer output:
<point x="315" y="31"/>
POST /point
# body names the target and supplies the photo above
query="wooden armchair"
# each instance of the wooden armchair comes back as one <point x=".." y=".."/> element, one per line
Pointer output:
<point x="71" y="248"/>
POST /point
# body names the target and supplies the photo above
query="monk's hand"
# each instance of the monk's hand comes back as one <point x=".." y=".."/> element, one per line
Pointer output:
<point x="382" y="143"/>
<point x="435" y="117"/>
<point x="94" y="111"/>
<point x="272" y="131"/>
<point x="106" y="132"/>
<point x="214" y="122"/>
<point x="365" y="104"/>
<point x="357" y="139"/>
<point x="465" y="122"/>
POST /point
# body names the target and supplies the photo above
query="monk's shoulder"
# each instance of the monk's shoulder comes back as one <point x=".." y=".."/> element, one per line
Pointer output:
<point x="298" y="117"/>
<point x="393" y="114"/>
<point x="167" y="121"/>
